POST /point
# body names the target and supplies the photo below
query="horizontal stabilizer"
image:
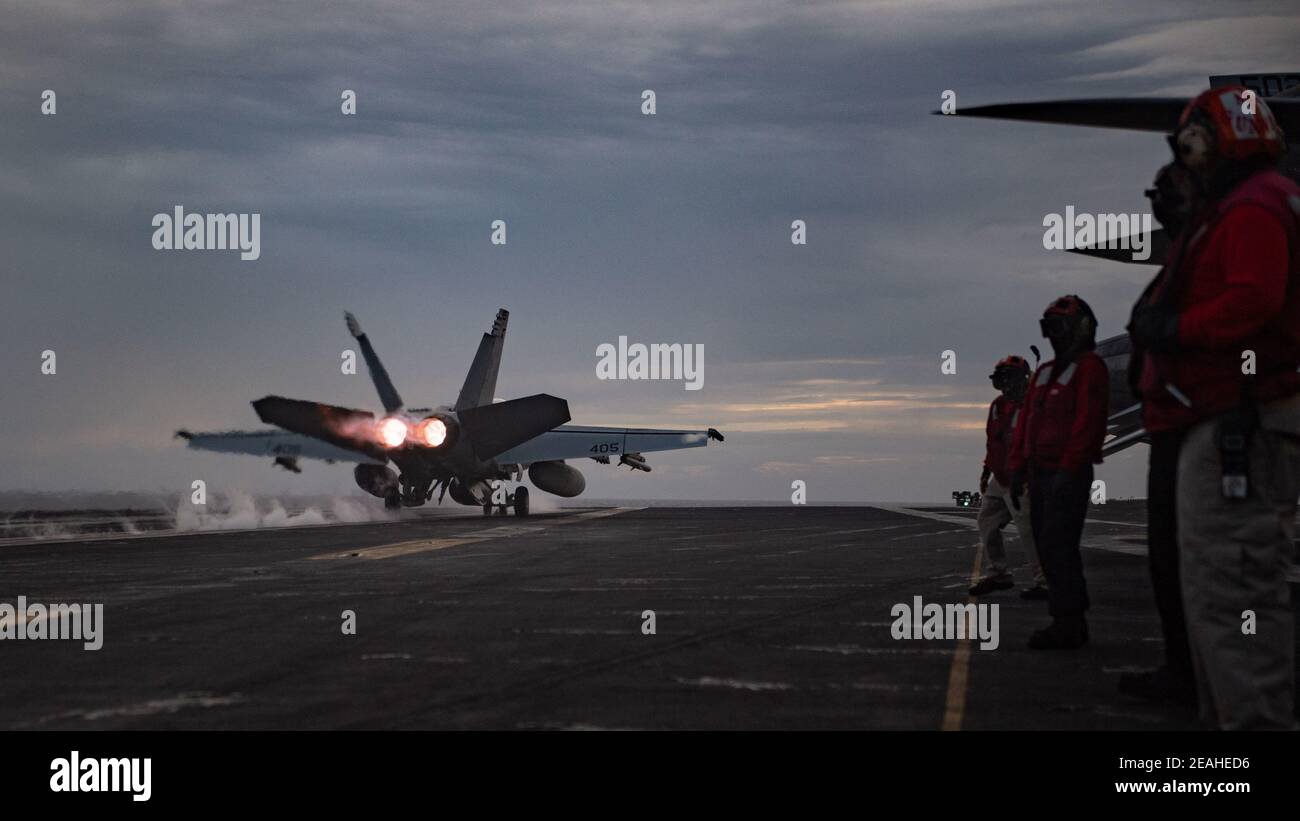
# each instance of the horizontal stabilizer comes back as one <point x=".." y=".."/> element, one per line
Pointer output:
<point x="345" y="427"/>
<point x="1159" y="247"/>
<point x="274" y="444"/>
<point x="494" y="429"/>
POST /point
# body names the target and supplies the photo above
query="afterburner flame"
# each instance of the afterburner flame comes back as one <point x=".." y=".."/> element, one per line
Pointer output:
<point x="392" y="432"/>
<point x="432" y="432"/>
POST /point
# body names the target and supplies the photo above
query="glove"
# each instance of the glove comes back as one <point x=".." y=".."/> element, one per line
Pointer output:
<point x="984" y="481"/>
<point x="1154" y="327"/>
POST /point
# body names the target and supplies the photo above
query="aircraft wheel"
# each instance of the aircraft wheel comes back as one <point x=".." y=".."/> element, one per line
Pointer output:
<point x="392" y="500"/>
<point x="487" y="508"/>
<point x="521" y="502"/>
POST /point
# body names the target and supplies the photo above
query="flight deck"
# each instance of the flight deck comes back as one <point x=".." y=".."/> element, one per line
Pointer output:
<point x="763" y="617"/>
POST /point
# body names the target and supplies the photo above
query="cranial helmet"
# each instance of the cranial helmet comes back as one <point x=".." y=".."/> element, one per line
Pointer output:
<point x="1215" y="126"/>
<point x="1013" y="363"/>
<point x="1069" y="318"/>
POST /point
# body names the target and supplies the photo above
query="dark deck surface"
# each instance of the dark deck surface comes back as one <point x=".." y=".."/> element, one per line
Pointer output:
<point x="766" y="618"/>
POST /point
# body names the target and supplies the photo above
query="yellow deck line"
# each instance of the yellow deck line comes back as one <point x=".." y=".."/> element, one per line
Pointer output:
<point x="411" y="547"/>
<point x="959" y="674"/>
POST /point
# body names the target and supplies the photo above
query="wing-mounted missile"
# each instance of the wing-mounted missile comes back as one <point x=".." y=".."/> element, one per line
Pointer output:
<point x="289" y="463"/>
<point x="635" y="461"/>
<point x="352" y="429"/>
<point x="383" y="384"/>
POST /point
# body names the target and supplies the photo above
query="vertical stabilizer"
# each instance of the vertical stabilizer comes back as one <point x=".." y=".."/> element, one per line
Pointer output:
<point x="378" y="374"/>
<point x="481" y="381"/>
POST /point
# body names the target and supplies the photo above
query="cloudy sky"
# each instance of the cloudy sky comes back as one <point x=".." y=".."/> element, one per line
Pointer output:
<point x="821" y="361"/>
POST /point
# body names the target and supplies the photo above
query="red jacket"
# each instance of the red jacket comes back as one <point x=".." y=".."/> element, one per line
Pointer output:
<point x="1004" y="414"/>
<point x="1239" y="281"/>
<point x="1065" y="416"/>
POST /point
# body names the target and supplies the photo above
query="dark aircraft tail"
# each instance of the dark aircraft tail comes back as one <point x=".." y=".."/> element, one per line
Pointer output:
<point x="378" y="374"/>
<point x="494" y="428"/>
<point x="481" y="381"/>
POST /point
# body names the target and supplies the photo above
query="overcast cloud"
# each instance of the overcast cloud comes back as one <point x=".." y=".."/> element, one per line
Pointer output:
<point x="821" y="361"/>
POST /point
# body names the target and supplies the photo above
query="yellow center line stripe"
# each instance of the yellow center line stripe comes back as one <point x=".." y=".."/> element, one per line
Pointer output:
<point x="407" y="548"/>
<point x="959" y="674"/>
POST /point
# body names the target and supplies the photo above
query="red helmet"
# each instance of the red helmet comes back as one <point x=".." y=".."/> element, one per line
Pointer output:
<point x="1014" y="362"/>
<point x="1214" y="124"/>
<point x="1068" y="314"/>
<point x="1010" y="370"/>
<point x="1068" y="305"/>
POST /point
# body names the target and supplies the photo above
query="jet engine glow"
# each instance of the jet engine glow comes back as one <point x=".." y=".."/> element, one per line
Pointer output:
<point x="432" y="431"/>
<point x="392" y="432"/>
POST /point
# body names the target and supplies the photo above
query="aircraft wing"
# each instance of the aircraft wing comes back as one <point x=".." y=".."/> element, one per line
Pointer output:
<point x="274" y="444"/>
<point x="579" y="441"/>
<point x="1130" y="113"/>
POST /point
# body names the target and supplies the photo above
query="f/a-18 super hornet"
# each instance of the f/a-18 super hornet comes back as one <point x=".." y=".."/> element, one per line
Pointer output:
<point x="463" y="450"/>
<point x="1159" y="114"/>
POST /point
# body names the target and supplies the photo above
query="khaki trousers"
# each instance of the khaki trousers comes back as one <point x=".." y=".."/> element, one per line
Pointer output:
<point x="1234" y="557"/>
<point x="996" y="512"/>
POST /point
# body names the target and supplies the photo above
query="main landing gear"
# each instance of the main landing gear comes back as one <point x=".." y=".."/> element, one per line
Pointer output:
<point x="519" y="499"/>
<point x="409" y="495"/>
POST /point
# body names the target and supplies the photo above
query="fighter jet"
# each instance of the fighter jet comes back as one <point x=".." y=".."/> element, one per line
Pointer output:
<point x="1159" y="114"/>
<point x="463" y="449"/>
